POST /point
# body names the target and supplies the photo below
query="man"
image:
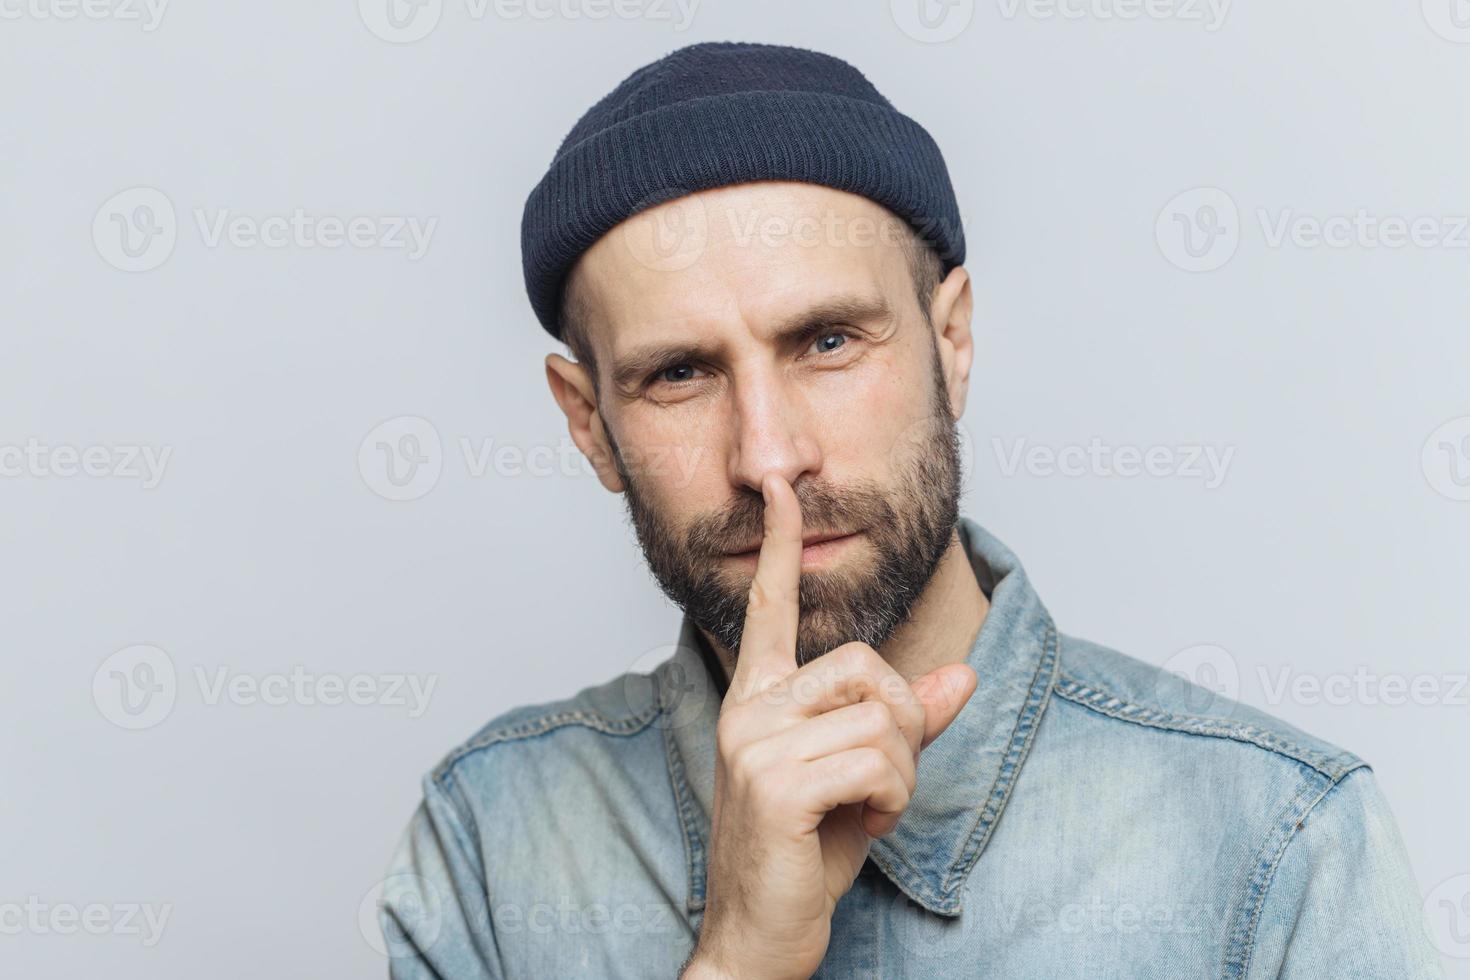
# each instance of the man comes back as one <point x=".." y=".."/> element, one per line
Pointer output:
<point x="871" y="752"/>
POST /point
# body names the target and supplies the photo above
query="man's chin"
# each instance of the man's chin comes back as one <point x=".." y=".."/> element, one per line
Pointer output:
<point x="819" y="634"/>
<point x="827" y="618"/>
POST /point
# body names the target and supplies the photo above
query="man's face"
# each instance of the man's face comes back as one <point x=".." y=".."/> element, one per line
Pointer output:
<point x="774" y="326"/>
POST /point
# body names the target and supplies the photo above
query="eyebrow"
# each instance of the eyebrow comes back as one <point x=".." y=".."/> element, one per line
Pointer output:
<point x="632" y="368"/>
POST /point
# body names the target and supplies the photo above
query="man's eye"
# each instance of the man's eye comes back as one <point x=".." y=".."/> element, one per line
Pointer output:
<point x="676" y="373"/>
<point x="680" y="373"/>
<point x="824" y="348"/>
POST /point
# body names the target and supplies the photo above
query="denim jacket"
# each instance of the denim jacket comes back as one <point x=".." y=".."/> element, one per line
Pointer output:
<point x="1086" y="815"/>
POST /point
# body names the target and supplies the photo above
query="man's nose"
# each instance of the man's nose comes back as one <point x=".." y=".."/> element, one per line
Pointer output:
<point x="773" y="433"/>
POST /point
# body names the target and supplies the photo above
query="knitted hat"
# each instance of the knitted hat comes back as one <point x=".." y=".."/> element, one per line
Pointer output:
<point x="718" y="113"/>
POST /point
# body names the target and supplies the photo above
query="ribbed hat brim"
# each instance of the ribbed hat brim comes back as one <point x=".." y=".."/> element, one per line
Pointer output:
<point x="731" y="138"/>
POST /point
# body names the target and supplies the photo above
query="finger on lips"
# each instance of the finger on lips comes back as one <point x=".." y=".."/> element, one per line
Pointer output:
<point x="768" y="640"/>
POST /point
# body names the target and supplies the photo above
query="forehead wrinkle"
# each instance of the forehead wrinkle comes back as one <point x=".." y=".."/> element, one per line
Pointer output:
<point x="784" y="288"/>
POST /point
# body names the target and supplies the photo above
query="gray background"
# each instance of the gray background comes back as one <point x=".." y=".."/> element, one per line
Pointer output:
<point x="1336" y="376"/>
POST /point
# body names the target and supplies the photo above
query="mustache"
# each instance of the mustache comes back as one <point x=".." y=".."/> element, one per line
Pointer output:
<point x="824" y="510"/>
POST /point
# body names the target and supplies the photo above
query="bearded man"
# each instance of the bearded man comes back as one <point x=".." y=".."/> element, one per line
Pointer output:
<point x="871" y="751"/>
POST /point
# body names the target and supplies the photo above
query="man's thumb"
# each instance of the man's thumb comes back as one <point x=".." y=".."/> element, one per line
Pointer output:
<point x="944" y="692"/>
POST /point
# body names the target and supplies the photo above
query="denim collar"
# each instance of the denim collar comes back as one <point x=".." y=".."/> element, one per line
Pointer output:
<point x="964" y="777"/>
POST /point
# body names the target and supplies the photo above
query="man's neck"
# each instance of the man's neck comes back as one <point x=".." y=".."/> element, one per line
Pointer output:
<point x="941" y="629"/>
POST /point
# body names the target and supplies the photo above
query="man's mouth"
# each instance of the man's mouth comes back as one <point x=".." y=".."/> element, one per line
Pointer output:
<point x="811" y="544"/>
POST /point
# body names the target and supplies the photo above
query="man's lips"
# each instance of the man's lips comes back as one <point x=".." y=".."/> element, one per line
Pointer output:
<point x="807" y="540"/>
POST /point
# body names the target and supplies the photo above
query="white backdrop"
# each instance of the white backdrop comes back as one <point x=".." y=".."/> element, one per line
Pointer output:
<point x="1227" y="241"/>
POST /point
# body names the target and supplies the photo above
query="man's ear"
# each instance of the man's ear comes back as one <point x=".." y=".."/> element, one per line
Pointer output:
<point x="572" y="389"/>
<point x="950" y="313"/>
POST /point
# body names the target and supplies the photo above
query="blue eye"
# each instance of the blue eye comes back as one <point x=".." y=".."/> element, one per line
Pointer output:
<point x="664" y="374"/>
<point x="827" y="336"/>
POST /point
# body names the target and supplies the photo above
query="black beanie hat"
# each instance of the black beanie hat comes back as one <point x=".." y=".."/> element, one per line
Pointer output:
<point x="718" y="113"/>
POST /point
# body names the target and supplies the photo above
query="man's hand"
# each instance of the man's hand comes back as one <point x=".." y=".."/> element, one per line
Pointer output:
<point x="812" y="763"/>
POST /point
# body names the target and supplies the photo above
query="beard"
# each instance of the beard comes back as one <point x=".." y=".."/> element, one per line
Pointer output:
<point x="908" y="526"/>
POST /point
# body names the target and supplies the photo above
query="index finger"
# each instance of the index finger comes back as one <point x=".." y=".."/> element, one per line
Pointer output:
<point x="768" y="639"/>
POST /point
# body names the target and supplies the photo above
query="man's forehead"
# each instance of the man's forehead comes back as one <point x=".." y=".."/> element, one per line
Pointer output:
<point x="754" y="253"/>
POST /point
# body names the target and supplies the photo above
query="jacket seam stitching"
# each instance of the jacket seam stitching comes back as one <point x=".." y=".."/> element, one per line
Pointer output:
<point x="1242" y="945"/>
<point x="1022" y="735"/>
<point x="544" y="724"/>
<point x="1043" y="679"/>
<point x="1111" y="705"/>
<point x="694" y="848"/>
